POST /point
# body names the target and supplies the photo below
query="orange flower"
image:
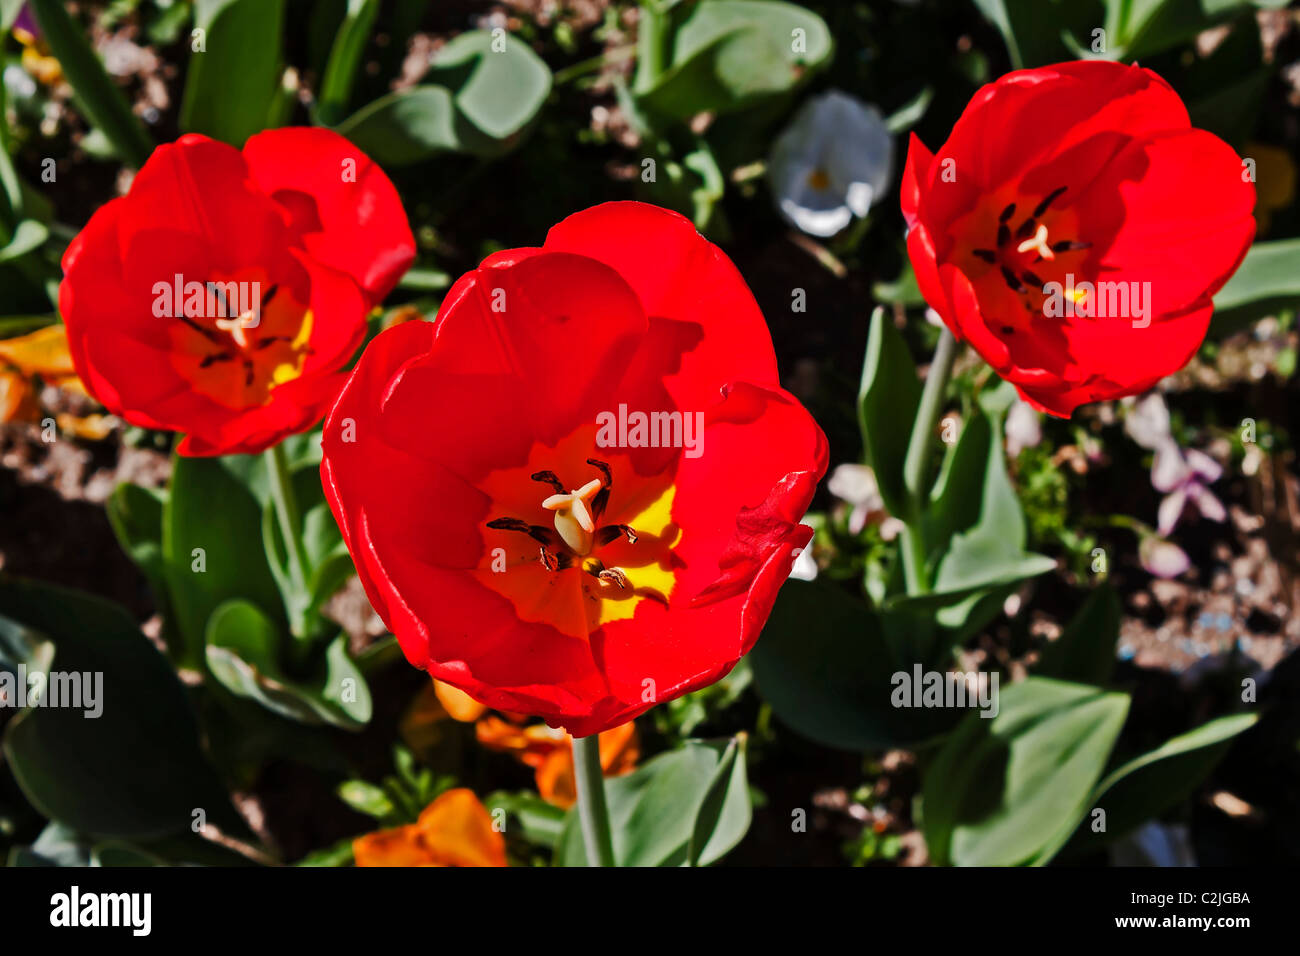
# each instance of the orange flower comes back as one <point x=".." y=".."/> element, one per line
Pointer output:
<point x="550" y="752"/>
<point x="42" y="354"/>
<point x="458" y="704"/>
<point x="619" y="750"/>
<point x="454" y="830"/>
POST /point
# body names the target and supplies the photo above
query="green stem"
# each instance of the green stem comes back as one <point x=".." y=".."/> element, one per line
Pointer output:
<point x="652" y="45"/>
<point x="286" y="514"/>
<point x="916" y="466"/>
<point x="592" y="810"/>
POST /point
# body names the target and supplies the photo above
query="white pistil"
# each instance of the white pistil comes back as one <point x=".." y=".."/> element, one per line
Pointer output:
<point x="573" y="518"/>
<point x="237" y="326"/>
<point x="1039" y="243"/>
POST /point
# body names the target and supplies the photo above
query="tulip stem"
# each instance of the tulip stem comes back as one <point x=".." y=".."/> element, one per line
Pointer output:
<point x="916" y="466"/>
<point x="593" y="812"/>
<point x="286" y="514"/>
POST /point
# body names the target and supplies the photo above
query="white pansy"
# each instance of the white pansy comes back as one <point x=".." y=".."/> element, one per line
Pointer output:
<point x="831" y="163"/>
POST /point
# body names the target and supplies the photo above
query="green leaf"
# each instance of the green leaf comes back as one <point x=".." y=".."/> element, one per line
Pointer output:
<point x="730" y="55"/>
<point x="542" y="823"/>
<point x="1000" y="789"/>
<point x="825" y="663"/>
<point x="1041" y="32"/>
<point x="1267" y="281"/>
<point x="1141" y="28"/>
<point x="9" y="10"/>
<point x="29" y="235"/>
<point x="101" y="100"/>
<point x="214" y="554"/>
<point x="234" y="79"/>
<point x="366" y="798"/>
<point x="976" y="530"/>
<point x="329" y="563"/>
<point x="887" y="401"/>
<point x="658" y="809"/>
<point x="474" y="100"/>
<point x="243" y="653"/>
<point x="1145" y="787"/>
<point x="134" y="770"/>
<point x="717" y="799"/>
<point x="345" y="57"/>
<point x="1085" y="651"/>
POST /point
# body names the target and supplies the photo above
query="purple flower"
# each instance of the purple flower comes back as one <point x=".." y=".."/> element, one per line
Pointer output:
<point x="1162" y="558"/>
<point x="1181" y="476"/>
<point x="26" y="22"/>
<point x="1184" y="476"/>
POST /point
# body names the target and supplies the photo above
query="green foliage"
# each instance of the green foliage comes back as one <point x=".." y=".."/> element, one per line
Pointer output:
<point x="687" y="807"/>
<point x="135" y="768"/>
<point x="233" y="80"/>
<point x="475" y="99"/>
<point x="103" y="103"/>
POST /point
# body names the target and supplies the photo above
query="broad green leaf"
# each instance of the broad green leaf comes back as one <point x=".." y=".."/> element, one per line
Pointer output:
<point x="1000" y="789"/>
<point x="1085" y="651"/>
<point x="473" y="100"/>
<point x="234" y="79"/>
<point x="499" y="91"/>
<point x="97" y="95"/>
<point x="1145" y="787"/>
<point x="29" y="235"/>
<point x="244" y="649"/>
<point x="212" y="543"/>
<point x="656" y="810"/>
<point x="1267" y="281"/>
<point x="345" y="57"/>
<point x="825" y="663"/>
<point x="887" y="403"/>
<point x="974" y="559"/>
<point x="136" y="769"/>
<point x="720" y="796"/>
<point x="729" y="55"/>
<point x="136" y="516"/>
<point x="9" y="10"/>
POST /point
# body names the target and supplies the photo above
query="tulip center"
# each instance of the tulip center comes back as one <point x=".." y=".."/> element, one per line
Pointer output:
<point x="819" y="179"/>
<point x="587" y="553"/>
<point x="1018" y="256"/>
<point x="576" y="534"/>
<point x="236" y="354"/>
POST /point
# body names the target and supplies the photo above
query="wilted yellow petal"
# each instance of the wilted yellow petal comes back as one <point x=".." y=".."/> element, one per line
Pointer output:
<point x="91" y="427"/>
<point x="16" y="401"/>
<point x="43" y="352"/>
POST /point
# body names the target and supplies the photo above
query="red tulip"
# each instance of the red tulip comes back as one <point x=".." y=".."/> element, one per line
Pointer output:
<point x="1074" y="227"/>
<point x="222" y="296"/>
<point x="521" y="533"/>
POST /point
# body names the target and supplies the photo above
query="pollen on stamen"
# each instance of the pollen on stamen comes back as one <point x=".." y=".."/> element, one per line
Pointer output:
<point x="1038" y="243"/>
